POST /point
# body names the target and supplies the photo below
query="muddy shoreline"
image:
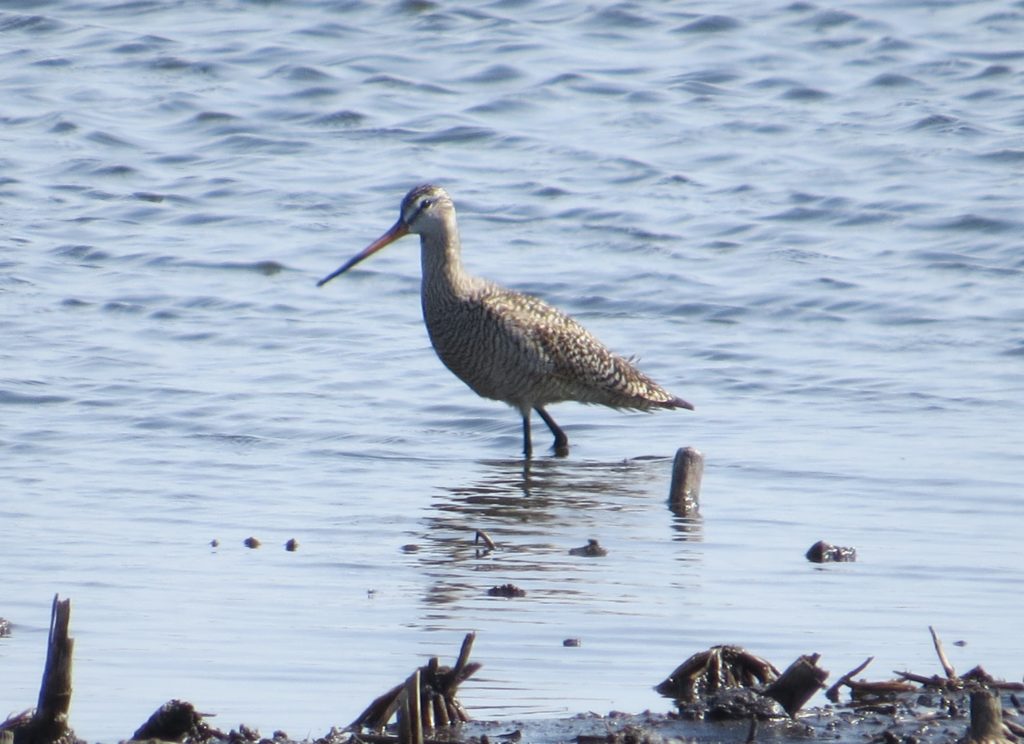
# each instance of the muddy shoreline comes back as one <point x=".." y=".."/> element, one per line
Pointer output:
<point x="722" y="694"/>
<point x="913" y="718"/>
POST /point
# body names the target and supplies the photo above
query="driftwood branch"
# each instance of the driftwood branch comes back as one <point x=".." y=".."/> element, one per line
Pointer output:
<point x="864" y="691"/>
<point x="833" y="692"/>
<point x="935" y="681"/>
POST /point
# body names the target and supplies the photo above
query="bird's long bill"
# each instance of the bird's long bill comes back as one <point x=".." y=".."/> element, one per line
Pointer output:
<point x="397" y="230"/>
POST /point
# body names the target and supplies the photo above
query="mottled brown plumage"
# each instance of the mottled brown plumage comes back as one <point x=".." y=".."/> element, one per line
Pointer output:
<point x="505" y="345"/>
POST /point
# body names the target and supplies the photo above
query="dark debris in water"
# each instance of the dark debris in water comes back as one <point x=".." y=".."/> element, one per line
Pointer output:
<point x="177" y="720"/>
<point x="506" y="590"/>
<point x="592" y="549"/>
<point x="718" y="668"/>
<point x="823" y="552"/>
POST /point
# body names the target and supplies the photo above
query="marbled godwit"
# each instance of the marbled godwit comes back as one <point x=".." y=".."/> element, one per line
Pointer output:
<point x="505" y="345"/>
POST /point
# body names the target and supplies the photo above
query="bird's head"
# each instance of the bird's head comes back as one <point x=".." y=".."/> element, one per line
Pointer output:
<point x="426" y="208"/>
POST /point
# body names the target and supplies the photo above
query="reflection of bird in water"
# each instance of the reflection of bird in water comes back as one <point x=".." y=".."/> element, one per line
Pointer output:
<point x="505" y="345"/>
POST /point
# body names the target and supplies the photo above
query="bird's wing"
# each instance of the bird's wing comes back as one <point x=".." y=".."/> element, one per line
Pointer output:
<point x="573" y="357"/>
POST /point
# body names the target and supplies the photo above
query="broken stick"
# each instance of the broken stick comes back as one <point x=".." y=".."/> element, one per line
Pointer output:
<point x="946" y="666"/>
<point x="833" y="692"/>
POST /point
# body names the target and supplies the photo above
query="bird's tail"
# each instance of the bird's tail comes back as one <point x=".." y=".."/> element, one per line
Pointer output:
<point x="676" y="403"/>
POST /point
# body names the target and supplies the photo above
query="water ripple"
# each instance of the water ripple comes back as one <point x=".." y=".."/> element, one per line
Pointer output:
<point x="827" y="19"/>
<point x="12" y="398"/>
<point x="976" y="223"/>
<point x="1008" y="156"/>
<point x="893" y="80"/>
<point x="299" y="73"/>
<point x="710" y="24"/>
<point x="30" y="24"/>
<point x="459" y="134"/>
<point x="340" y="118"/>
<point x="804" y="93"/>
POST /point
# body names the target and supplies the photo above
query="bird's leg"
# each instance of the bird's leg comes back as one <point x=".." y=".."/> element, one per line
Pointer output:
<point x="527" y="445"/>
<point x="561" y="445"/>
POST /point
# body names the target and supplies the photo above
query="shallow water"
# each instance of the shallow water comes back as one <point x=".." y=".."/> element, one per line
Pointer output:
<point x="804" y="219"/>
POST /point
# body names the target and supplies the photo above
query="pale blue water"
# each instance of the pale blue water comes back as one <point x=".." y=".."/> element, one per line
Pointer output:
<point x="803" y="218"/>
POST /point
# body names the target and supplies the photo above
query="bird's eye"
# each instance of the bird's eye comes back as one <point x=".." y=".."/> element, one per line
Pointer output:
<point x="426" y="203"/>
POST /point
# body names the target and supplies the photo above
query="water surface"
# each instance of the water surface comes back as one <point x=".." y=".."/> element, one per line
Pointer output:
<point x="804" y="219"/>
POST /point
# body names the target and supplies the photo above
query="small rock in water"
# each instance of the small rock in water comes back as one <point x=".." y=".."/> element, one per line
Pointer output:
<point x="251" y="542"/>
<point x="292" y="545"/>
<point x="572" y="643"/>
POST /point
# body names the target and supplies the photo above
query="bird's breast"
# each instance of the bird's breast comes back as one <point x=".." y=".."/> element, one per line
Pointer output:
<point x="484" y="348"/>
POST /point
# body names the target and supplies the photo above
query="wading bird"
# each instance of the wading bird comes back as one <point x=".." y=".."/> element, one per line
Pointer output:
<point x="505" y="345"/>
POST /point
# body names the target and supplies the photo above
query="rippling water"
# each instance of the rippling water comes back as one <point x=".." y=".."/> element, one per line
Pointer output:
<point x="803" y="218"/>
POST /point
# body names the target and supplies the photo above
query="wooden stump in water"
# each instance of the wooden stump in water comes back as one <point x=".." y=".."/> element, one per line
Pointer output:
<point x="55" y="691"/>
<point x="986" y="720"/>
<point x="48" y="724"/>
<point x="687" y="471"/>
<point x="797" y="684"/>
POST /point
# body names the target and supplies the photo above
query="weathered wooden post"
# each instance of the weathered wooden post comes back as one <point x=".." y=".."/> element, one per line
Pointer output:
<point x="55" y="690"/>
<point x="986" y="719"/>
<point x="687" y="471"/>
<point x="48" y="723"/>
<point x="797" y="684"/>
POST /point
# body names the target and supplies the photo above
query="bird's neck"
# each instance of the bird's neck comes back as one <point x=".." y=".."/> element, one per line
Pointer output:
<point x="443" y="275"/>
